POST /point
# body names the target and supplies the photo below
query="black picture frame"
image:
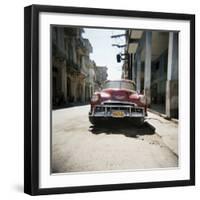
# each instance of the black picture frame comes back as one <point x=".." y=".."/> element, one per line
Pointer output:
<point x="31" y="98"/>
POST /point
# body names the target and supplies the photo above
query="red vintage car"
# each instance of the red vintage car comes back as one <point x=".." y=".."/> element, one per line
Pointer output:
<point x="118" y="100"/>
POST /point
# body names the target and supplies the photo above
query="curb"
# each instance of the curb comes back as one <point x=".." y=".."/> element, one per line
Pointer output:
<point x="163" y="115"/>
<point x="164" y="138"/>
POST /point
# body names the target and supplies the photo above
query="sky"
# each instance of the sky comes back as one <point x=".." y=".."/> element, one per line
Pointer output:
<point x="104" y="54"/>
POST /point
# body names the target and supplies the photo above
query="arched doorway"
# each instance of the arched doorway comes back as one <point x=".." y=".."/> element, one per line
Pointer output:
<point x="69" y="93"/>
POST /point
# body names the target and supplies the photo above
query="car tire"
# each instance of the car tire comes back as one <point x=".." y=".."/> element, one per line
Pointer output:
<point x="139" y="121"/>
<point x="94" y="121"/>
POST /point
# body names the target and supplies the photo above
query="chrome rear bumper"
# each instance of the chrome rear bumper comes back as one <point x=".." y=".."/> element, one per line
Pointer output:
<point x="108" y="110"/>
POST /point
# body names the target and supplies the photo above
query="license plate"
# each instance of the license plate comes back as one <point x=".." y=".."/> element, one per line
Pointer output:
<point x="118" y="114"/>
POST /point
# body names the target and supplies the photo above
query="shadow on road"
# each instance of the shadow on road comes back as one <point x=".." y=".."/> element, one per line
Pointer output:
<point x="126" y="129"/>
<point x="69" y="105"/>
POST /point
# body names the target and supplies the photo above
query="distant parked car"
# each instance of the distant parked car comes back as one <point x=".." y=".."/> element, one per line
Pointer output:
<point x="118" y="100"/>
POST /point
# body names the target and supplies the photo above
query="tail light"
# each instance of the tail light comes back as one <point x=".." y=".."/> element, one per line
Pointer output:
<point x="95" y="98"/>
<point x="143" y="99"/>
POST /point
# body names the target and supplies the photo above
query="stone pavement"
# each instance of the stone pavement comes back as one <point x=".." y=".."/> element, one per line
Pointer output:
<point x="78" y="146"/>
<point x="167" y="129"/>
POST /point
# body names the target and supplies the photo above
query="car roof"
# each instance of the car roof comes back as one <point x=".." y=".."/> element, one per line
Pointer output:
<point x="122" y="80"/>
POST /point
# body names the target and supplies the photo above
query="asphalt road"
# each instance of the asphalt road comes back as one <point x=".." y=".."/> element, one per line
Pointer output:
<point x="77" y="146"/>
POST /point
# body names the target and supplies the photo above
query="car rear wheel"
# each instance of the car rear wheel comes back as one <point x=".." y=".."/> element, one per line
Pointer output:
<point x="138" y="121"/>
<point x="95" y="121"/>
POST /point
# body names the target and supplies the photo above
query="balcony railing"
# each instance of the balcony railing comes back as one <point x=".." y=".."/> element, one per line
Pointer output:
<point x="72" y="65"/>
<point x="80" y="43"/>
<point x="83" y="44"/>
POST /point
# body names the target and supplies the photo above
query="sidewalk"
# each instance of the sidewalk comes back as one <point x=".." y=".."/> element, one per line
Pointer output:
<point x="166" y="129"/>
<point x="69" y="105"/>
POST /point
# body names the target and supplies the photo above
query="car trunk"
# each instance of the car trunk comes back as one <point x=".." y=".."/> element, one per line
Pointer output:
<point x="118" y="94"/>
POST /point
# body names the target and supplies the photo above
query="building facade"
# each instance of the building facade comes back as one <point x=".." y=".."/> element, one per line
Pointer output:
<point x="101" y="76"/>
<point x="153" y="64"/>
<point x="72" y="77"/>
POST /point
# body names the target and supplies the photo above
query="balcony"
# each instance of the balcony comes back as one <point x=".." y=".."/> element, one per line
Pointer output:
<point x="72" y="66"/>
<point x="80" y="46"/>
<point x="83" y="46"/>
<point x="57" y="52"/>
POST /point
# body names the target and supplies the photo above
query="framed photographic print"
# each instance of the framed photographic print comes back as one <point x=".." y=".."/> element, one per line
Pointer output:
<point x="109" y="99"/>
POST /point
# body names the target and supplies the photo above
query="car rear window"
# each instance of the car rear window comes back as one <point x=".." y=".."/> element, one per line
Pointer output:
<point x="119" y="84"/>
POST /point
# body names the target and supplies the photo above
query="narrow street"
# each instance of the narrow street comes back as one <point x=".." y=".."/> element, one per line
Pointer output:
<point x="80" y="147"/>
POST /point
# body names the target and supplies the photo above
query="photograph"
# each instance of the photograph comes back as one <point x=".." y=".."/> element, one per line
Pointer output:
<point x="114" y="99"/>
<point x="109" y="99"/>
